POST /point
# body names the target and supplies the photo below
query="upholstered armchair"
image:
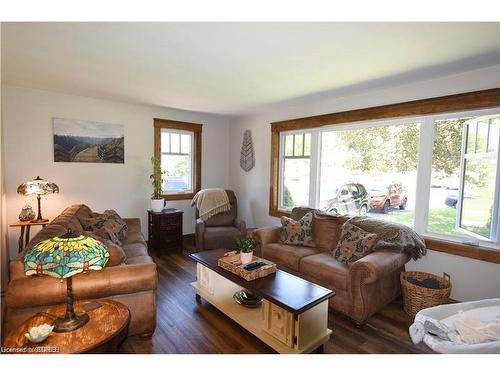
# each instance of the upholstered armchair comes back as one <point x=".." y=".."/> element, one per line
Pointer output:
<point x="219" y="231"/>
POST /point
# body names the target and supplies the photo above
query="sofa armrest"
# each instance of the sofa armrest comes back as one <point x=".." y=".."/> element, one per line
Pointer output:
<point x="199" y="230"/>
<point x="267" y="235"/>
<point x="376" y="266"/>
<point x="133" y="224"/>
<point x="30" y="291"/>
<point x="241" y="225"/>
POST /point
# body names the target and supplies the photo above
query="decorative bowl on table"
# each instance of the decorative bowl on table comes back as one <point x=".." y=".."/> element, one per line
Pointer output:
<point x="246" y="298"/>
<point x="38" y="334"/>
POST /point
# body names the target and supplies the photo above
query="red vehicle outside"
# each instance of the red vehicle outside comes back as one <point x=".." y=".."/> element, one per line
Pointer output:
<point x="384" y="197"/>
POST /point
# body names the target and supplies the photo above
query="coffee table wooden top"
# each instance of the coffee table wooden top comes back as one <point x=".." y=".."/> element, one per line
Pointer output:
<point x="107" y="322"/>
<point x="288" y="291"/>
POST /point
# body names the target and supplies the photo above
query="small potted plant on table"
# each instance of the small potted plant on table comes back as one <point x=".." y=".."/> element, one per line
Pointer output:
<point x="246" y="245"/>
<point x="157" y="201"/>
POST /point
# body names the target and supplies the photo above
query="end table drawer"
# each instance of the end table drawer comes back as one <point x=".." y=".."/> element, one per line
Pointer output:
<point x="170" y="220"/>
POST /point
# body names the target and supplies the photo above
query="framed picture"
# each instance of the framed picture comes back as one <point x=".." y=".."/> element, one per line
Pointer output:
<point x="80" y="141"/>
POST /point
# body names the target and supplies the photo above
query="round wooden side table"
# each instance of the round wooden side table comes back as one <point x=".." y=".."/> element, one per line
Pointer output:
<point x="106" y="329"/>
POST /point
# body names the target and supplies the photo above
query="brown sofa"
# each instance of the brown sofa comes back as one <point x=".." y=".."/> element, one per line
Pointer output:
<point x="220" y="230"/>
<point x="132" y="283"/>
<point x="361" y="289"/>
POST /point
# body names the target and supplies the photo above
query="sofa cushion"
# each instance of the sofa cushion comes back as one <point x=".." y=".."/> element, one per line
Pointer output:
<point x="134" y="250"/>
<point x="326" y="231"/>
<point x="323" y="267"/>
<point x="354" y="243"/>
<point x="297" y="232"/>
<point x="116" y="254"/>
<point x="68" y="218"/>
<point x="135" y="237"/>
<point x="287" y="255"/>
<point x="83" y="211"/>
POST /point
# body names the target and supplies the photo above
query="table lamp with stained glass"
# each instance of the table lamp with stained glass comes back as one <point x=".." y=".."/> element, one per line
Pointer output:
<point x="63" y="257"/>
<point x="38" y="186"/>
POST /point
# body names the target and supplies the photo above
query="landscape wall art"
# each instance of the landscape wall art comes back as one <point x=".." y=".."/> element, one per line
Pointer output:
<point x="87" y="141"/>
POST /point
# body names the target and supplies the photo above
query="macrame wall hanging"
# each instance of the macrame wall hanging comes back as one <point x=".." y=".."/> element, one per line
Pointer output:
<point x="247" y="156"/>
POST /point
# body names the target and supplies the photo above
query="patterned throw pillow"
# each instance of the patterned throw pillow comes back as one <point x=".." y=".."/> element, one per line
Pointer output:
<point x="354" y="243"/>
<point x="109" y="222"/>
<point x="297" y="232"/>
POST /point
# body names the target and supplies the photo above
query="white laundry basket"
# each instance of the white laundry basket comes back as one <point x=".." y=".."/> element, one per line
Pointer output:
<point x="440" y="313"/>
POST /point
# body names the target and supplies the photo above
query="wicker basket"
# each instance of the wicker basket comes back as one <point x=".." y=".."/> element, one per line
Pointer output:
<point x="416" y="298"/>
<point x="231" y="261"/>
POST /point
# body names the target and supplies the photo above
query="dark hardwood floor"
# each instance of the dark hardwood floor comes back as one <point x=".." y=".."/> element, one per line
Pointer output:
<point x="183" y="326"/>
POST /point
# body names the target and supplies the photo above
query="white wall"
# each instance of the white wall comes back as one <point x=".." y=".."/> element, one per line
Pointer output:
<point x="3" y="211"/>
<point x="471" y="279"/>
<point x="125" y="187"/>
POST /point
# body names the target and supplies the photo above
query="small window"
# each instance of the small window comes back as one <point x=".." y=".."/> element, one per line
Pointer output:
<point x="178" y="146"/>
<point x="296" y="164"/>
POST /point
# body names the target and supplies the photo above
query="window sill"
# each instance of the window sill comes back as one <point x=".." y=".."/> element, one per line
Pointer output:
<point x="455" y="248"/>
<point x="179" y="196"/>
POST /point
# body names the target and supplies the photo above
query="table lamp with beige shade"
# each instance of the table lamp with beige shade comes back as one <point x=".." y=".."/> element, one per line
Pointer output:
<point x="40" y="187"/>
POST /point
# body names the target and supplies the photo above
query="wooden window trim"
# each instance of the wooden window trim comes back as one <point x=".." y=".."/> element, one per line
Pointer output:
<point x="443" y="104"/>
<point x="160" y="124"/>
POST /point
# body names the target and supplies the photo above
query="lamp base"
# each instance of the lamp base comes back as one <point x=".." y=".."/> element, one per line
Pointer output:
<point x="68" y="325"/>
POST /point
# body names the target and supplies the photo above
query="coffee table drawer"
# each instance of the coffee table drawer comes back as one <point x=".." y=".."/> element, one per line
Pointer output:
<point x="278" y="322"/>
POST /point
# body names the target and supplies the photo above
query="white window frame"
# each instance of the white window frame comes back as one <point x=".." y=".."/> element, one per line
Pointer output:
<point x="424" y="168"/>
<point x="190" y="154"/>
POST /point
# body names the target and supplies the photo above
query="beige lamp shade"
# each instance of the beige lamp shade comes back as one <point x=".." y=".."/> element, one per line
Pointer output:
<point x="38" y="186"/>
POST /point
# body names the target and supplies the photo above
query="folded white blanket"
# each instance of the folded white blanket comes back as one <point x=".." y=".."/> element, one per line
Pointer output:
<point x="210" y="202"/>
<point x="474" y="326"/>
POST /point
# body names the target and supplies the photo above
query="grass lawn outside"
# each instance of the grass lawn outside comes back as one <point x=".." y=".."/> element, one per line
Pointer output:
<point x="441" y="221"/>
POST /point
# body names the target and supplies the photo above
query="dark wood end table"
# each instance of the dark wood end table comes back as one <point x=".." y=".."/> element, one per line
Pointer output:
<point x="106" y="329"/>
<point x="165" y="230"/>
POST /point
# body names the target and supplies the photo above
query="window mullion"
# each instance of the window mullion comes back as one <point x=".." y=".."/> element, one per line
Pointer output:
<point x="314" y="173"/>
<point x="281" y="166"/>
<point x="424" y="174"/>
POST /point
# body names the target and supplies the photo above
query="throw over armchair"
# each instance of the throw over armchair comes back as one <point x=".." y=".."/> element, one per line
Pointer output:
<point x="219" y="231"/>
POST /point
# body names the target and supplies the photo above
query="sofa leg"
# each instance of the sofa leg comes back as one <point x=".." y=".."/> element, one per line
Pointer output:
<point x="198" y="298"/>
<point x="357" y="324"/>
<point x="320" y="349"/>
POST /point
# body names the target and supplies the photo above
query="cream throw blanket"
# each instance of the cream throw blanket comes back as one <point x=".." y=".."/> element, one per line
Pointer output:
<point x="210" y="202"/>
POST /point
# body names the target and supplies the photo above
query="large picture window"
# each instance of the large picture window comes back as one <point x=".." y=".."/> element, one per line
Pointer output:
<point x="178" y="146"/>
<point x="437" y="173"/>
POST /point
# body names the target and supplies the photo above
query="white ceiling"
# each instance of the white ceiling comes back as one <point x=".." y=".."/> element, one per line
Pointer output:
<point x="235" y="68"/>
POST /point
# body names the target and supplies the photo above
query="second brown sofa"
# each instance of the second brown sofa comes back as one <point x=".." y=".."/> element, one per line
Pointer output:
<point x="361" y="289"/>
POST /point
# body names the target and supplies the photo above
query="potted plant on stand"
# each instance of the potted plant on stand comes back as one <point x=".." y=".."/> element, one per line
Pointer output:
<point x="157" y="201"/>
<point x="246" y="246"/>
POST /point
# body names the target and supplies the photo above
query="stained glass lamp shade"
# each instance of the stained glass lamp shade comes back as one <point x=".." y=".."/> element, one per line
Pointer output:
<point x="38" y="186"/>
<point x="63" y="257"/>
